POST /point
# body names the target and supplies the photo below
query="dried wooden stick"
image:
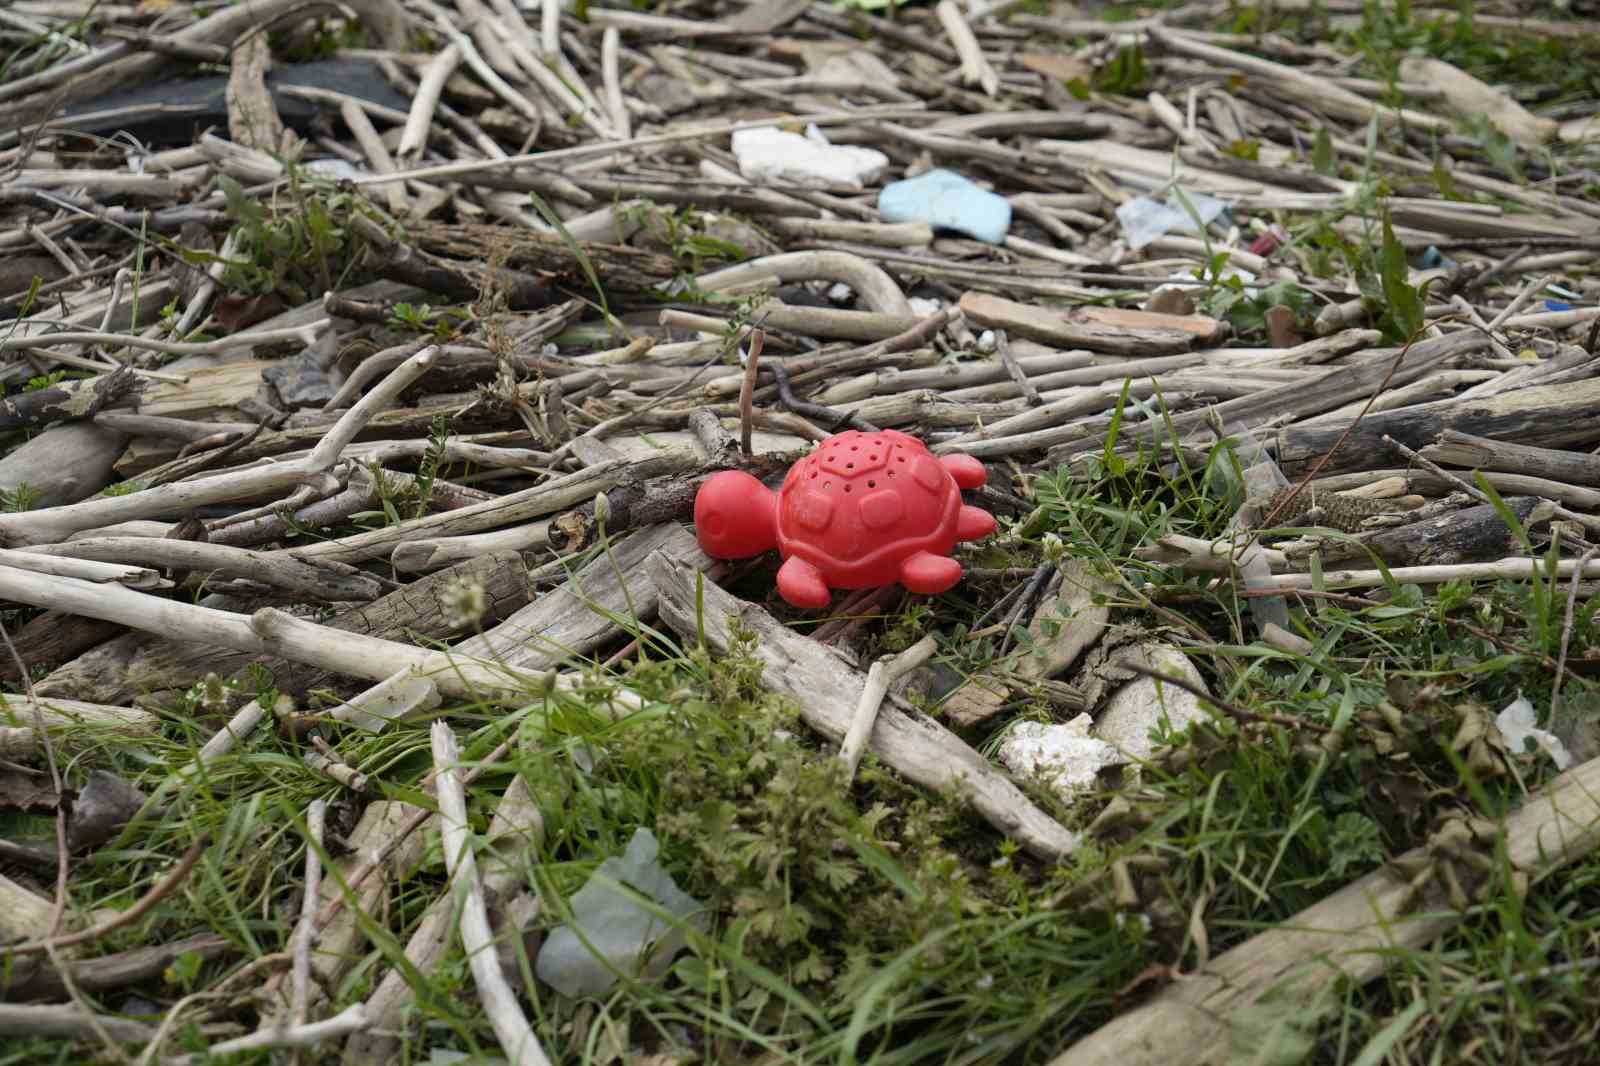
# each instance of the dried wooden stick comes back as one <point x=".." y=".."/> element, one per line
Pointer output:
<point x="477" y="939"/>
<point x="610" y="51"/>
<point x="305" y="932"/>
<point x="65" y="1019"/>
<point x="57" y="523"/>
<point x="306" y="334"/>
<point x="883" y="672"/>
<point x="752" y="369"/>
<point x="268" y="568"/>
<point x="351" y="1019"/>
<point x="125" y="574"/>
<point x="975" y="69"/>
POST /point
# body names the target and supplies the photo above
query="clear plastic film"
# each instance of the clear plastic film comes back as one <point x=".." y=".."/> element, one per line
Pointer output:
<point x="1261" y="478"/>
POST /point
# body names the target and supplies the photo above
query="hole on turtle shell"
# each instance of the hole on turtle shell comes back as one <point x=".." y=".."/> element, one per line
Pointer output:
<point x="813" y="475"/>
<point x="847" y="488"/>
<point x="891" y="473"/>
<point x="827" y="484"/>
<point x="855" y="447"/>
<point x="872" y="484"/>
<point x="849" y="466"/>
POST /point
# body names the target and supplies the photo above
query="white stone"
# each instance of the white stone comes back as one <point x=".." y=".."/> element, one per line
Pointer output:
<point x="1140" y="705"/>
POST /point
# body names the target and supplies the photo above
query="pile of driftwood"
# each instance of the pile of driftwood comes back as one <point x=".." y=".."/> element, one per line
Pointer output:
<point x="364" y="355"/>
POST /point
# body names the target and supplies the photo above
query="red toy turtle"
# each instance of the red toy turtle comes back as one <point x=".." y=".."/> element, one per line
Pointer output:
<point x="863" y="510"/>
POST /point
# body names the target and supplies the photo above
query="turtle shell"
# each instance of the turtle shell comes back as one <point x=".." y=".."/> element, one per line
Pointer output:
<point x="861" y="503"/>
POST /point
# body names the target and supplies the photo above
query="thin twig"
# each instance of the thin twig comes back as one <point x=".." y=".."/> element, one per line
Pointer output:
<point x="146" y="903"/>
<point x="880" y="675"/>
<point x="511" y="1027"/>
<point x="1232" y="709"/>
<point x="747" y="390"/>
<point x="305" y="932"/>
<point x="1566" y="631"/>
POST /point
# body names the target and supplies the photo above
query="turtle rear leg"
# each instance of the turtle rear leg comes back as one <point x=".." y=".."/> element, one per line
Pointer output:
<point x="803" y="584"/>
<point x="929" y="574"/>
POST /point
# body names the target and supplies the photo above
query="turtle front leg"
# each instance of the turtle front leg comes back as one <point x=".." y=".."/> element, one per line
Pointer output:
<point x="929" y="574"/>
<point x="803" y="584"/>
<point x="968" y="472"/>
<point x="974" y="523"/>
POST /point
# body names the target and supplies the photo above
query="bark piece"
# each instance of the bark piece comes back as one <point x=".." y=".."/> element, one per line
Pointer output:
<point x="252" y="116"/>
<point x="68" y="400"/>
<point x="1102" y="329"/>
<point x="802" y="670"/>
<point x="1469" y="96"/>
<point x="1469" y="535"/>
<point x="54" y="638"/>
<point x="621" y="269"/>
<point x="110" y="972"/>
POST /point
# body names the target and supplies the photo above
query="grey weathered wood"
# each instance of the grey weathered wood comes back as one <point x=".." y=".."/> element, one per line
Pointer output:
<point x="612" y="590"/>
<point x="1341" y="385"/>
<point x="1548" y="416"/>
<point x="1351" y="933"/>
<point x="1455" y="448"/>
<point x="136" y="663"/>
<point x="827" y="692"/>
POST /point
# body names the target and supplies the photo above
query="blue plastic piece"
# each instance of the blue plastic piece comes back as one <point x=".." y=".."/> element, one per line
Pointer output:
<point x="1557" y="305"/>
<point x="946" y="200"/>
<point x="1434" y="258"/>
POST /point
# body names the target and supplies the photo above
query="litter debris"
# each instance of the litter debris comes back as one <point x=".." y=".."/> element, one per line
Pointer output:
<point x="946" y="200"/>
<point x="1064" y="758"/>
<point x="1145" y="220"/>
<point x="611" y="932"/>
<point x="769" y="154"/>
<point x="1517" y="725"/>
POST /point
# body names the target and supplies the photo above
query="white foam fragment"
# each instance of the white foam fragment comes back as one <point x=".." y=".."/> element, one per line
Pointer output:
<point x="1063" y="758"/>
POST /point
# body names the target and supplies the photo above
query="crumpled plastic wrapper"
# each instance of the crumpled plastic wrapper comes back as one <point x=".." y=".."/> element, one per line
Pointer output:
<point x="618" y="934"/>
<point x="1518" y="724"/>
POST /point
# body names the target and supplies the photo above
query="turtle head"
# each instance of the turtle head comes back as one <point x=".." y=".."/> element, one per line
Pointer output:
<point x="735" y="516"/>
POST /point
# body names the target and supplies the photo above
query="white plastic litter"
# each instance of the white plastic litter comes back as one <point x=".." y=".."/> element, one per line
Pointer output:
<point x="770" y="154"/>
<point x="923" y="307"/>
<point x="622" y="936"/>
<point x="1144" y="219"/>
<point x="1063" y="758"/>
<point x="1518" y="724"/>
<point x="337" y="169"/>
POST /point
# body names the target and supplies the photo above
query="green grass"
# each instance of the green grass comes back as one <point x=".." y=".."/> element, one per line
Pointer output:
<point x="881" y="924"/>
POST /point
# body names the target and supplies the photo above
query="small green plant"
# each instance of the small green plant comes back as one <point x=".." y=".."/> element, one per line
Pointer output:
<point x="1126" y="74"/>
<point x="22" y="498"/>
<point x="425" y="318"/>
<point x="293" y="249"/>
<point x="428" y="468"/>
<point x="123" y="488"/>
